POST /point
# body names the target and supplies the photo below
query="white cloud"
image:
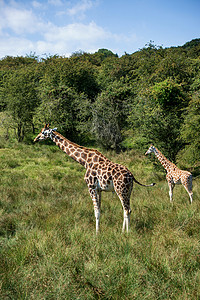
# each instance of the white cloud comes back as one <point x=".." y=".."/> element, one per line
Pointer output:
<point x="22" y="31"/>
<point x="36" y="4"/>
<point x="80" y="8"/>
<point x="18" y="20"/>
<point x="13" y="46"/>
<point x="76" y="32"/>
<point x="70" y="38"/>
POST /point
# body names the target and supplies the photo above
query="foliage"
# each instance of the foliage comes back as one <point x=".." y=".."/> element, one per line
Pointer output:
<point x="190" y="132"/>
<point x="101" y="96"/>
<point x="110" y="110"/>
<point x="168" y="95"/>
<point x="156" y="117"/>
<point x="20" y="97"/>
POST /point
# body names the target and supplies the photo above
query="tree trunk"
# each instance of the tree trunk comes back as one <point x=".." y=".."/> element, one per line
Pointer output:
<point x="20" y="132"/>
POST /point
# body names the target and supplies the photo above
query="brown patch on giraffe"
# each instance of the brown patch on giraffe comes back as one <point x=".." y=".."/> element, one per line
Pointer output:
<point x="81" y="161"/>
<point x="90" y="179"/>
<point x="103" y="169"/>
<point x="126" y="180"/>
<point x="67" y="151"/>
<point x="95" y="158"/>
<point x="83" y="155"/>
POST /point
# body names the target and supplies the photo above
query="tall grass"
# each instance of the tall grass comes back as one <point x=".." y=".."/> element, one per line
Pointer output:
<point x="49" y="249"/>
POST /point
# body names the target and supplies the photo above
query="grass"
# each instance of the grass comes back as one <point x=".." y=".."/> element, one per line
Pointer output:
<point x="48" y="246"/>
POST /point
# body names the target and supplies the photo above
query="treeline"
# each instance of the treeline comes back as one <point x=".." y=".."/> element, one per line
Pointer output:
<point x="150" y="96"/>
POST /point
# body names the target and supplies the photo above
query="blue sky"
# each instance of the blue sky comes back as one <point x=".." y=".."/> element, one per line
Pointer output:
<point x="66" y="26"/>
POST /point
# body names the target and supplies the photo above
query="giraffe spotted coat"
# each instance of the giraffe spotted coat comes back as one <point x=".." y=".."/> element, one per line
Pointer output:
<point x="174" y="174"/>
<point x="101" y="173"/>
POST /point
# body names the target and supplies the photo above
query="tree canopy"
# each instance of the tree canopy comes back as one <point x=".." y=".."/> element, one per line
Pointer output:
<point x="152" y="95"/>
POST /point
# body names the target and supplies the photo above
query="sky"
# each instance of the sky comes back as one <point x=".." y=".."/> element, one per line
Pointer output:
<point x="62" y="27"/>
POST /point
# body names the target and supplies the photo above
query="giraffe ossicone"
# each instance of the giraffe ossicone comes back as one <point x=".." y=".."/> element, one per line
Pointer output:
<point x="101" y="173"/>
<point x="174" y="174"/>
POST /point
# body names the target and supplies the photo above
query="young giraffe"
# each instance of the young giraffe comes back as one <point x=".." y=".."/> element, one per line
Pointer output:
<point x="101" y="173"/>
<point x="174" y="174"/>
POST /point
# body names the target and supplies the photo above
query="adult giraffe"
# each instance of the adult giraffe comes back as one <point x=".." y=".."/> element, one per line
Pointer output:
<point x="174" y="174"/>
<point x="101" y="173"/>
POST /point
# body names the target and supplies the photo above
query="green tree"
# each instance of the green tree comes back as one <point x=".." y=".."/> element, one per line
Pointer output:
<point x="190" y="130"/>
<point x="110" y="113"/>
<point x="169" y="95"/>
<point x="62" y="104"/>
<point x="19" y="93"/>
<point x="156" y="117"/>
<point x="105" y="126"/>
<point x="64" y="107"/>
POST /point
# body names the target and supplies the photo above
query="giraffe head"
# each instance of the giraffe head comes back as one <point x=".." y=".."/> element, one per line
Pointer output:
<point x="150" y="150"/>
<point x="45" y="133"/>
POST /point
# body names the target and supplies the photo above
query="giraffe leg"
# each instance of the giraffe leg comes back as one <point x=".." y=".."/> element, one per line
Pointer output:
<point x="171" y="187"/>
<point x="97" y="212"/>
<point x="187" y="183"/>
<point x="96" y="199"/>
<point x="126" y="222"/>
<point x="124" y="193"/>
<point x="190" y="193"/>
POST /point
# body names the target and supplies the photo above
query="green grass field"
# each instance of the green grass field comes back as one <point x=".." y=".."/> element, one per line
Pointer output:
<point x="48" y="245"/>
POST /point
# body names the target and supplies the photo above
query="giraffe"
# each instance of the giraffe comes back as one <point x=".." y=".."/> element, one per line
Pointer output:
<point x="174" y="174"/>
<point x="101" y="173"/>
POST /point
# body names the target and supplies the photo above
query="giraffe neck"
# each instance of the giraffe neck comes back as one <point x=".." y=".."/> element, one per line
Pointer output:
<point x="82" y="155"/>
<point x="73" y="150"/>
<point x="163" y="160"/>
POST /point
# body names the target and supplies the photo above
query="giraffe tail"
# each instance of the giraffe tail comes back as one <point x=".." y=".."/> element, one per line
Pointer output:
<point x="152" y="184"/>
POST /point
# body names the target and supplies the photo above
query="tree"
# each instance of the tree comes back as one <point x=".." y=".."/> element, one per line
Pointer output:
<point x="19" y="93"/>
<point x="64" y="107"/>
<point x="110" y="112"/>
<point x="105" y="125"/>
<point x="156" y="117"/>
<point x="190" y="136"/>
